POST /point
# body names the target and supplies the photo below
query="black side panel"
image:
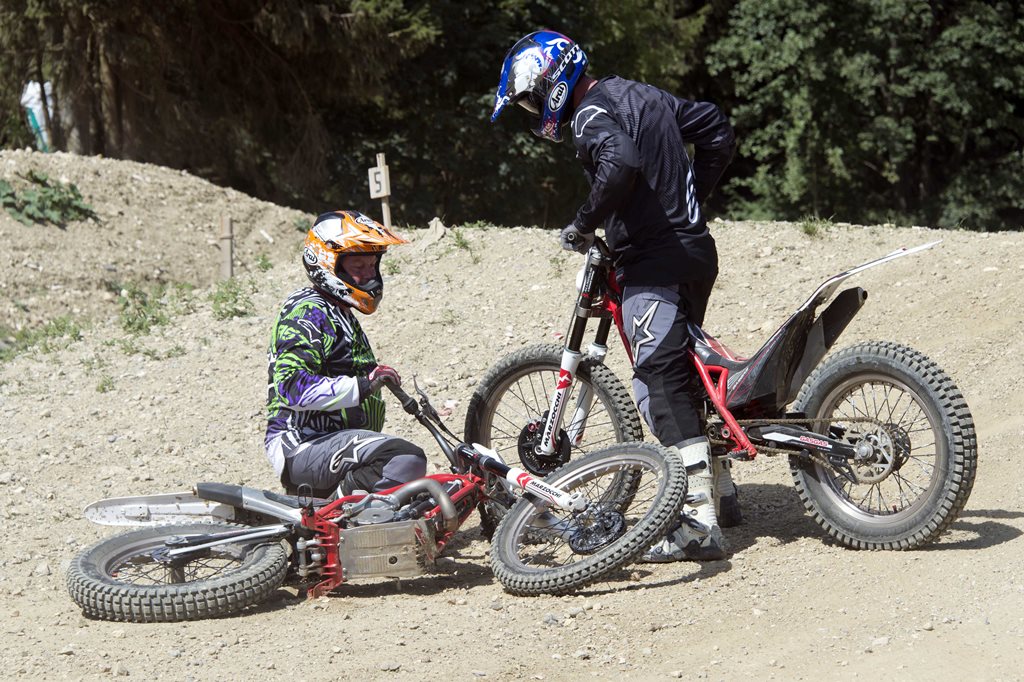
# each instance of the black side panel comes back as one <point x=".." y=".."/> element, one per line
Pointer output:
<point x="826" y="329"/>
<point x="759" y="387"/>
<point x="220" y="492"/>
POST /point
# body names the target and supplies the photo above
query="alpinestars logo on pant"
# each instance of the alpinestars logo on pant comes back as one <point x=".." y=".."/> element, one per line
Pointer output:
<point x="353" y="448"/>
<point x="643" y="326"/>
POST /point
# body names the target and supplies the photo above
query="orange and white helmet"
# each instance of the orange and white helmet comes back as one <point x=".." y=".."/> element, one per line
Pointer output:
<point x="338" y="234"/>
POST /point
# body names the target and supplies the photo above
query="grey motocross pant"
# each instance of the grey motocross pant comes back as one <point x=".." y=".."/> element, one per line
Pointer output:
<point x="351" y="460"/>
<point x="664" y="379"/>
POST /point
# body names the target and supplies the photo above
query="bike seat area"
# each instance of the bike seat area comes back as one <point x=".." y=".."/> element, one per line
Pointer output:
<point x="711" y="351"/>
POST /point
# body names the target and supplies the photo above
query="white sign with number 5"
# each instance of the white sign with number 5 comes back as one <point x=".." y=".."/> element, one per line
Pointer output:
<point x="380" y="186"/>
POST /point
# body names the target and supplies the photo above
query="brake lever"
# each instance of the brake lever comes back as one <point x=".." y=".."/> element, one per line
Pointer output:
<point x="428" y="409"/>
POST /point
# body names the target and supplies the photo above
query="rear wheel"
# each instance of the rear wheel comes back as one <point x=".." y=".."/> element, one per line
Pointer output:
<point x="129" y="578"/>
<point x="540" y="549"/>
<point x="918" y="460"/>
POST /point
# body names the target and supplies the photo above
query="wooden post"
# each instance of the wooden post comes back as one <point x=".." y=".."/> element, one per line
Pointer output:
<point x="227" y="247"/>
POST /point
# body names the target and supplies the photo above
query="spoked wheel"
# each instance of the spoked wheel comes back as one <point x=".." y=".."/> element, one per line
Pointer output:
<point x="916" y="462"/>
<point x="129" y="577"/>
<point x="539" y="549"/>
<point x="508" y="409"/>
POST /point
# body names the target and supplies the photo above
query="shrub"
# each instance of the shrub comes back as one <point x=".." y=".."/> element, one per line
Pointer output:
<point x="232" y="298"/>
<point x="44" y="201"/>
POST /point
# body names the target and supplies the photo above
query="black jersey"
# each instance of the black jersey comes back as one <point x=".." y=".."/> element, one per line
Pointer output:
<point x="631" y="139"/>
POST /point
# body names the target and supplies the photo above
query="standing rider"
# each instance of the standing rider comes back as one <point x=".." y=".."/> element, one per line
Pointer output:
<point x="324" y="410"/>
<point x="631" y="139"/>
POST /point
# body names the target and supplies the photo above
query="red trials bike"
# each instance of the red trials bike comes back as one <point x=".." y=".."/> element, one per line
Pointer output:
<point x="880" y="441"/>
<point x="220" y="548"/>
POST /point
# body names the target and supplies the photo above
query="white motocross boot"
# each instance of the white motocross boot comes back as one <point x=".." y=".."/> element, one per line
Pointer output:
<point x="727" y="502"/>
<point x="697" y="537"/>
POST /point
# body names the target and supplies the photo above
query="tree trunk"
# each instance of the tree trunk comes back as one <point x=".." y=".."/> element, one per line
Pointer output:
<point x="111" y="102"/>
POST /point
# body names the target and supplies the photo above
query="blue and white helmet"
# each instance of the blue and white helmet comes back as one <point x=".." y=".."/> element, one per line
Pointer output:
<point x="539" y="74"/>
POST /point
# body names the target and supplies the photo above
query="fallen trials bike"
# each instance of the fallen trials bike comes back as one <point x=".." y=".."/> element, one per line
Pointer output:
<point x="880" y="442"/>
<point x="221" y="548"/>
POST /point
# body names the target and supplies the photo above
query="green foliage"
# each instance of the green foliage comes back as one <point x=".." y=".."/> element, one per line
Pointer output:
<point x="141" y="310"/>
<point x="460" y="240"/>
<point x="44" y="201"/>
<point x="55" y="335"/>
<point x="899" y="110"/>
<point x="878" y="108"/>
<point x="814" y="227"/>
<point x="263" y="263"/>
<point x="233" y="298"/>
<point x="105" y="385"/>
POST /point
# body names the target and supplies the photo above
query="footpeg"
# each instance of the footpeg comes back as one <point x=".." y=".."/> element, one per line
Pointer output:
<point x="697" y="499"/>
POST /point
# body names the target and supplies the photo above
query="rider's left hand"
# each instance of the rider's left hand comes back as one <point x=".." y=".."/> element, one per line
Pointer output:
<point x="381" y="374"/>
<point x="573" y="239"/>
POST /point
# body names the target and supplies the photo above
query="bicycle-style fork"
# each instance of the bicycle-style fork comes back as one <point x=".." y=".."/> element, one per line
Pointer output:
<point x="589" y="303"/>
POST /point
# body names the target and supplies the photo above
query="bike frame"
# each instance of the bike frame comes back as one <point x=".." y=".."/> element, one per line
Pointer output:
<point x="453" y="498"/>
<point x="600" y="296"/>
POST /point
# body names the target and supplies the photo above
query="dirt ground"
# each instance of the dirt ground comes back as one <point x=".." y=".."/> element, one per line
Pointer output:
<point x="113" y="414"/>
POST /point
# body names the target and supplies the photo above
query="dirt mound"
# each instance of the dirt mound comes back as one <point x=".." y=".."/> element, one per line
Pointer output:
<point x="115" y="414"/>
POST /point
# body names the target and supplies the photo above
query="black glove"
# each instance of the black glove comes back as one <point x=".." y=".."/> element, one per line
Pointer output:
<point x="575" y="240"/>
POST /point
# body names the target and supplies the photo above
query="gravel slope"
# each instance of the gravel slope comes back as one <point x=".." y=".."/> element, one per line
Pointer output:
<point x="188" y="406"/>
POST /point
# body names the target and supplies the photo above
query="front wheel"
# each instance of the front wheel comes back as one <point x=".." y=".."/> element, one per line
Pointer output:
<point x="126" y="577"/>
<point x="917" y="458"/>
<point x="540" y="549"/>
<point x="508" y="409"/>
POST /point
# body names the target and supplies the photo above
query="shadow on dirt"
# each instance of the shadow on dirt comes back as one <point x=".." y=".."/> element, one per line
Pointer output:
<point x="769" y="511"/>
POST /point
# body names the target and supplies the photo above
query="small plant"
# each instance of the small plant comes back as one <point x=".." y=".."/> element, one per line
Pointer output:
<point x="302" y="223"/>
<point x="44" y="201"/>
<point x="391" y="267"/>
<point x="557" y="263"/>
<point x="106" y="384"/>
<point x="94" y="363"/>
<point x="814" y="226"/>
<point x="462" y="243"/>
<point x="263" y="263"/>
<point x="175" y="351"/>
<point x="129" y="347"/>
<point x="172" y="352"/>
<point x="233" y="298"/>
<point x="448" y="318"/>
<point x="141" y="310"/>
<point x="460" y="240"/>
<point x="57" y="334"/>
<point x="475" y="225"/>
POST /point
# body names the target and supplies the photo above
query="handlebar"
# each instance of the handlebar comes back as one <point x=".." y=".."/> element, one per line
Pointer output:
<point x="599" y="244"/>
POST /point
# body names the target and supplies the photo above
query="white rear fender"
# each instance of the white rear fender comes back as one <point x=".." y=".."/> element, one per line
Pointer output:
<point x="153" y="510"/>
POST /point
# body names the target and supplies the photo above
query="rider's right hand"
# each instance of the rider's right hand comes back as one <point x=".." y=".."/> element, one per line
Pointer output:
<point x="573" y="239"/>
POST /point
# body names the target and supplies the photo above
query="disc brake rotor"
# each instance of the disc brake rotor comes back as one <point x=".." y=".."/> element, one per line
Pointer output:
<point x="597" y="529"/>
<point x="529" y="441"/>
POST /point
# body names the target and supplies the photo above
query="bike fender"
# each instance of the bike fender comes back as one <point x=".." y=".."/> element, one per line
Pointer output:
<point x="153" y="510"/>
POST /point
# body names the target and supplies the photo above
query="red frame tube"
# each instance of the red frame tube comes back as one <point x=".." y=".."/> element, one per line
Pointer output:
<point x="717" y="394"/>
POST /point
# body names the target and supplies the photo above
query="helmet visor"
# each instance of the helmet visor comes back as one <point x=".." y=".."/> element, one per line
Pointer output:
<point x="531" y="103"/>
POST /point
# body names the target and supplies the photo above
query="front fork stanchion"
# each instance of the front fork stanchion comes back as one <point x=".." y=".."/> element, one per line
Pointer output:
<point x="571" y="358"/>
<point x="585" y="400"/>
<point x="566" y="374"/>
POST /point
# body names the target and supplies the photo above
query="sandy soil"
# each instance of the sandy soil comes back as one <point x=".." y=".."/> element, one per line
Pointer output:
<point x="111" y="415"/>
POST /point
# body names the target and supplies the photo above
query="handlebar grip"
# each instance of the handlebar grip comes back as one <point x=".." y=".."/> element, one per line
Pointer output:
<point x="408" y="402"/>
